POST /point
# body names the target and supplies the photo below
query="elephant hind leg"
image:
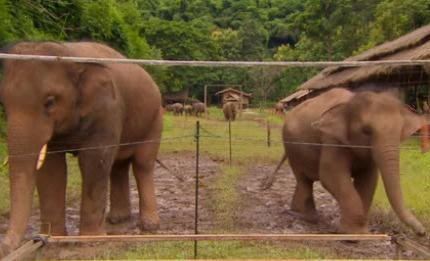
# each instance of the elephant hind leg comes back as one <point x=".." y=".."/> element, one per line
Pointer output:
<point x="303" y="201"/>
<point x="120" y="209"/>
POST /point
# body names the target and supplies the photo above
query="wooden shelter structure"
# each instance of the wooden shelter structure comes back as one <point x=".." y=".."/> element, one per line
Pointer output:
<point x="410" y="82"/>
<point x="233" y="95"/>
<point x="174" y="97"/>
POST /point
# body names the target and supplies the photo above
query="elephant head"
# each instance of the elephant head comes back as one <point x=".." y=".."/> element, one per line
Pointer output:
<point x="43" y="100"/>
<point x="379" y="122"/>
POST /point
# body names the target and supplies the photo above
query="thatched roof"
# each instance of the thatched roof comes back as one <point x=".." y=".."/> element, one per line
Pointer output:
<point x="249" y="95"/>
<point x="414" y="46"/>
<point x="295" y="96"/>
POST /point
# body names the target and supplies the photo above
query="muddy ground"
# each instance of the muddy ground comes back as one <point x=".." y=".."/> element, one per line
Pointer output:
<point x="259" y="212"/>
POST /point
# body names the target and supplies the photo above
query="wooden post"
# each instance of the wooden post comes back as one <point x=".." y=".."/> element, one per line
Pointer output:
<point x="424" y="138"/>
<point x="206" y="99"/>
<point x="196" y="216"/>
<point x="229" y="140"/>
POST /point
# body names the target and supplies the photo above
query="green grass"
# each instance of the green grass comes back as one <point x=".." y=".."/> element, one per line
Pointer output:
<point x="214" y="250"/>
<point x="226" y="198"/>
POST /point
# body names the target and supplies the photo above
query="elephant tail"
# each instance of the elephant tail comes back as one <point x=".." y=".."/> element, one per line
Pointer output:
<point x="176" y="175"/>
<point x="270" y="179"/>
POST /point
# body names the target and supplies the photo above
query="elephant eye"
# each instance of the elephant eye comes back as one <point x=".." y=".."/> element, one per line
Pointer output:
<point x="49" y="103"/>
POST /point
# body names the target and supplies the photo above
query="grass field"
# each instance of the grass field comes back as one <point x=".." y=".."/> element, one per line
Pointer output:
<point x="249" y="146"/>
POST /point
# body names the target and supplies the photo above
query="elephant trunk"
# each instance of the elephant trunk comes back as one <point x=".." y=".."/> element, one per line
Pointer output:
<point x="23" y="148"/>
<point x="387" y="157"/>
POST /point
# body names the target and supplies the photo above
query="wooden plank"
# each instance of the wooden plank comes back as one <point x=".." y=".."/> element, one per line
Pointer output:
<point x="222" y="237"/>
<point x="21" y="252"/>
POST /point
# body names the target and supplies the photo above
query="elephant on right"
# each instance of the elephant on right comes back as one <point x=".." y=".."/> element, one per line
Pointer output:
<point x="342" y="139"/>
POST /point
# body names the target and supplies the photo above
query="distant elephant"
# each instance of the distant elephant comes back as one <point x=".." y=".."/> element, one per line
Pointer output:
<point x="229" y="109"/>
<point x="188" y="109"/>
<point x="199" y="108"/>
<point x="279" y="108"/>
<point x="359" y="133"/>
<point x="169" y="107"/>
<point x="177" y="108"/>
<point x="86" y="109"/>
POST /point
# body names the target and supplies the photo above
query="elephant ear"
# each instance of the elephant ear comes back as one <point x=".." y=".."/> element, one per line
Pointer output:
<point x="96" y="86"/>
<point x="333" y="123"/>
<point x="411" y="122"/>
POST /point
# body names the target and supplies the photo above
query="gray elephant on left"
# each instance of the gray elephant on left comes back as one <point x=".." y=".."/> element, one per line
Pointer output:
<point x="86" y="109"/>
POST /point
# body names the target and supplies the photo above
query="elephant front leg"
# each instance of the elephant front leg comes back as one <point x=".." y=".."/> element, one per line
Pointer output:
<point x="120" y="209"/>
<point x="365" y="183"/>
<point x="335" y="176"/>
<point x="51" y="187"/>
<point x="95" y="167"/>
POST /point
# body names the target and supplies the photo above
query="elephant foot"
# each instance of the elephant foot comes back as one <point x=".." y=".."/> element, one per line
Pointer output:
<point x="311" y="218"/>
<point x="117" y="218"/>
<point x="150" y="223"/>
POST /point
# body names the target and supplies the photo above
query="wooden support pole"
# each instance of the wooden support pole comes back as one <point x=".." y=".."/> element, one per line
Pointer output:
<point x="206" y="100"/>
<point x="424" y="138"/>
<point x="196" y="215"/>
<point x="229" y="142"/>
<point x="23" y="251"/>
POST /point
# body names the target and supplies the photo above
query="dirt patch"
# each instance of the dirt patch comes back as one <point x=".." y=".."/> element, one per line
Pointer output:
<point x="264" y="211"/>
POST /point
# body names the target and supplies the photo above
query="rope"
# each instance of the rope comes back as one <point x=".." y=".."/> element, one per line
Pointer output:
<point x="101" y="146"/>
<point x="306" y="143"/>
<point x="29" y="57"/>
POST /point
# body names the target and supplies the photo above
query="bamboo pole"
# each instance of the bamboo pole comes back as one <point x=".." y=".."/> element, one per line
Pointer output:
<point x="212" y="63"/>
<point x="220" y="237"/>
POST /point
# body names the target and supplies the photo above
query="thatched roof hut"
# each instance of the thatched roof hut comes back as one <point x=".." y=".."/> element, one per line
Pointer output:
<point x="412" y="46"/>
<point x="233" y="95"/>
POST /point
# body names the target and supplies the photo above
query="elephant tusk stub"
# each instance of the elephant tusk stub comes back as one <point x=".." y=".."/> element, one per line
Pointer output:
<point x="41" y="158"/>
<point x="6" y="161"/>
